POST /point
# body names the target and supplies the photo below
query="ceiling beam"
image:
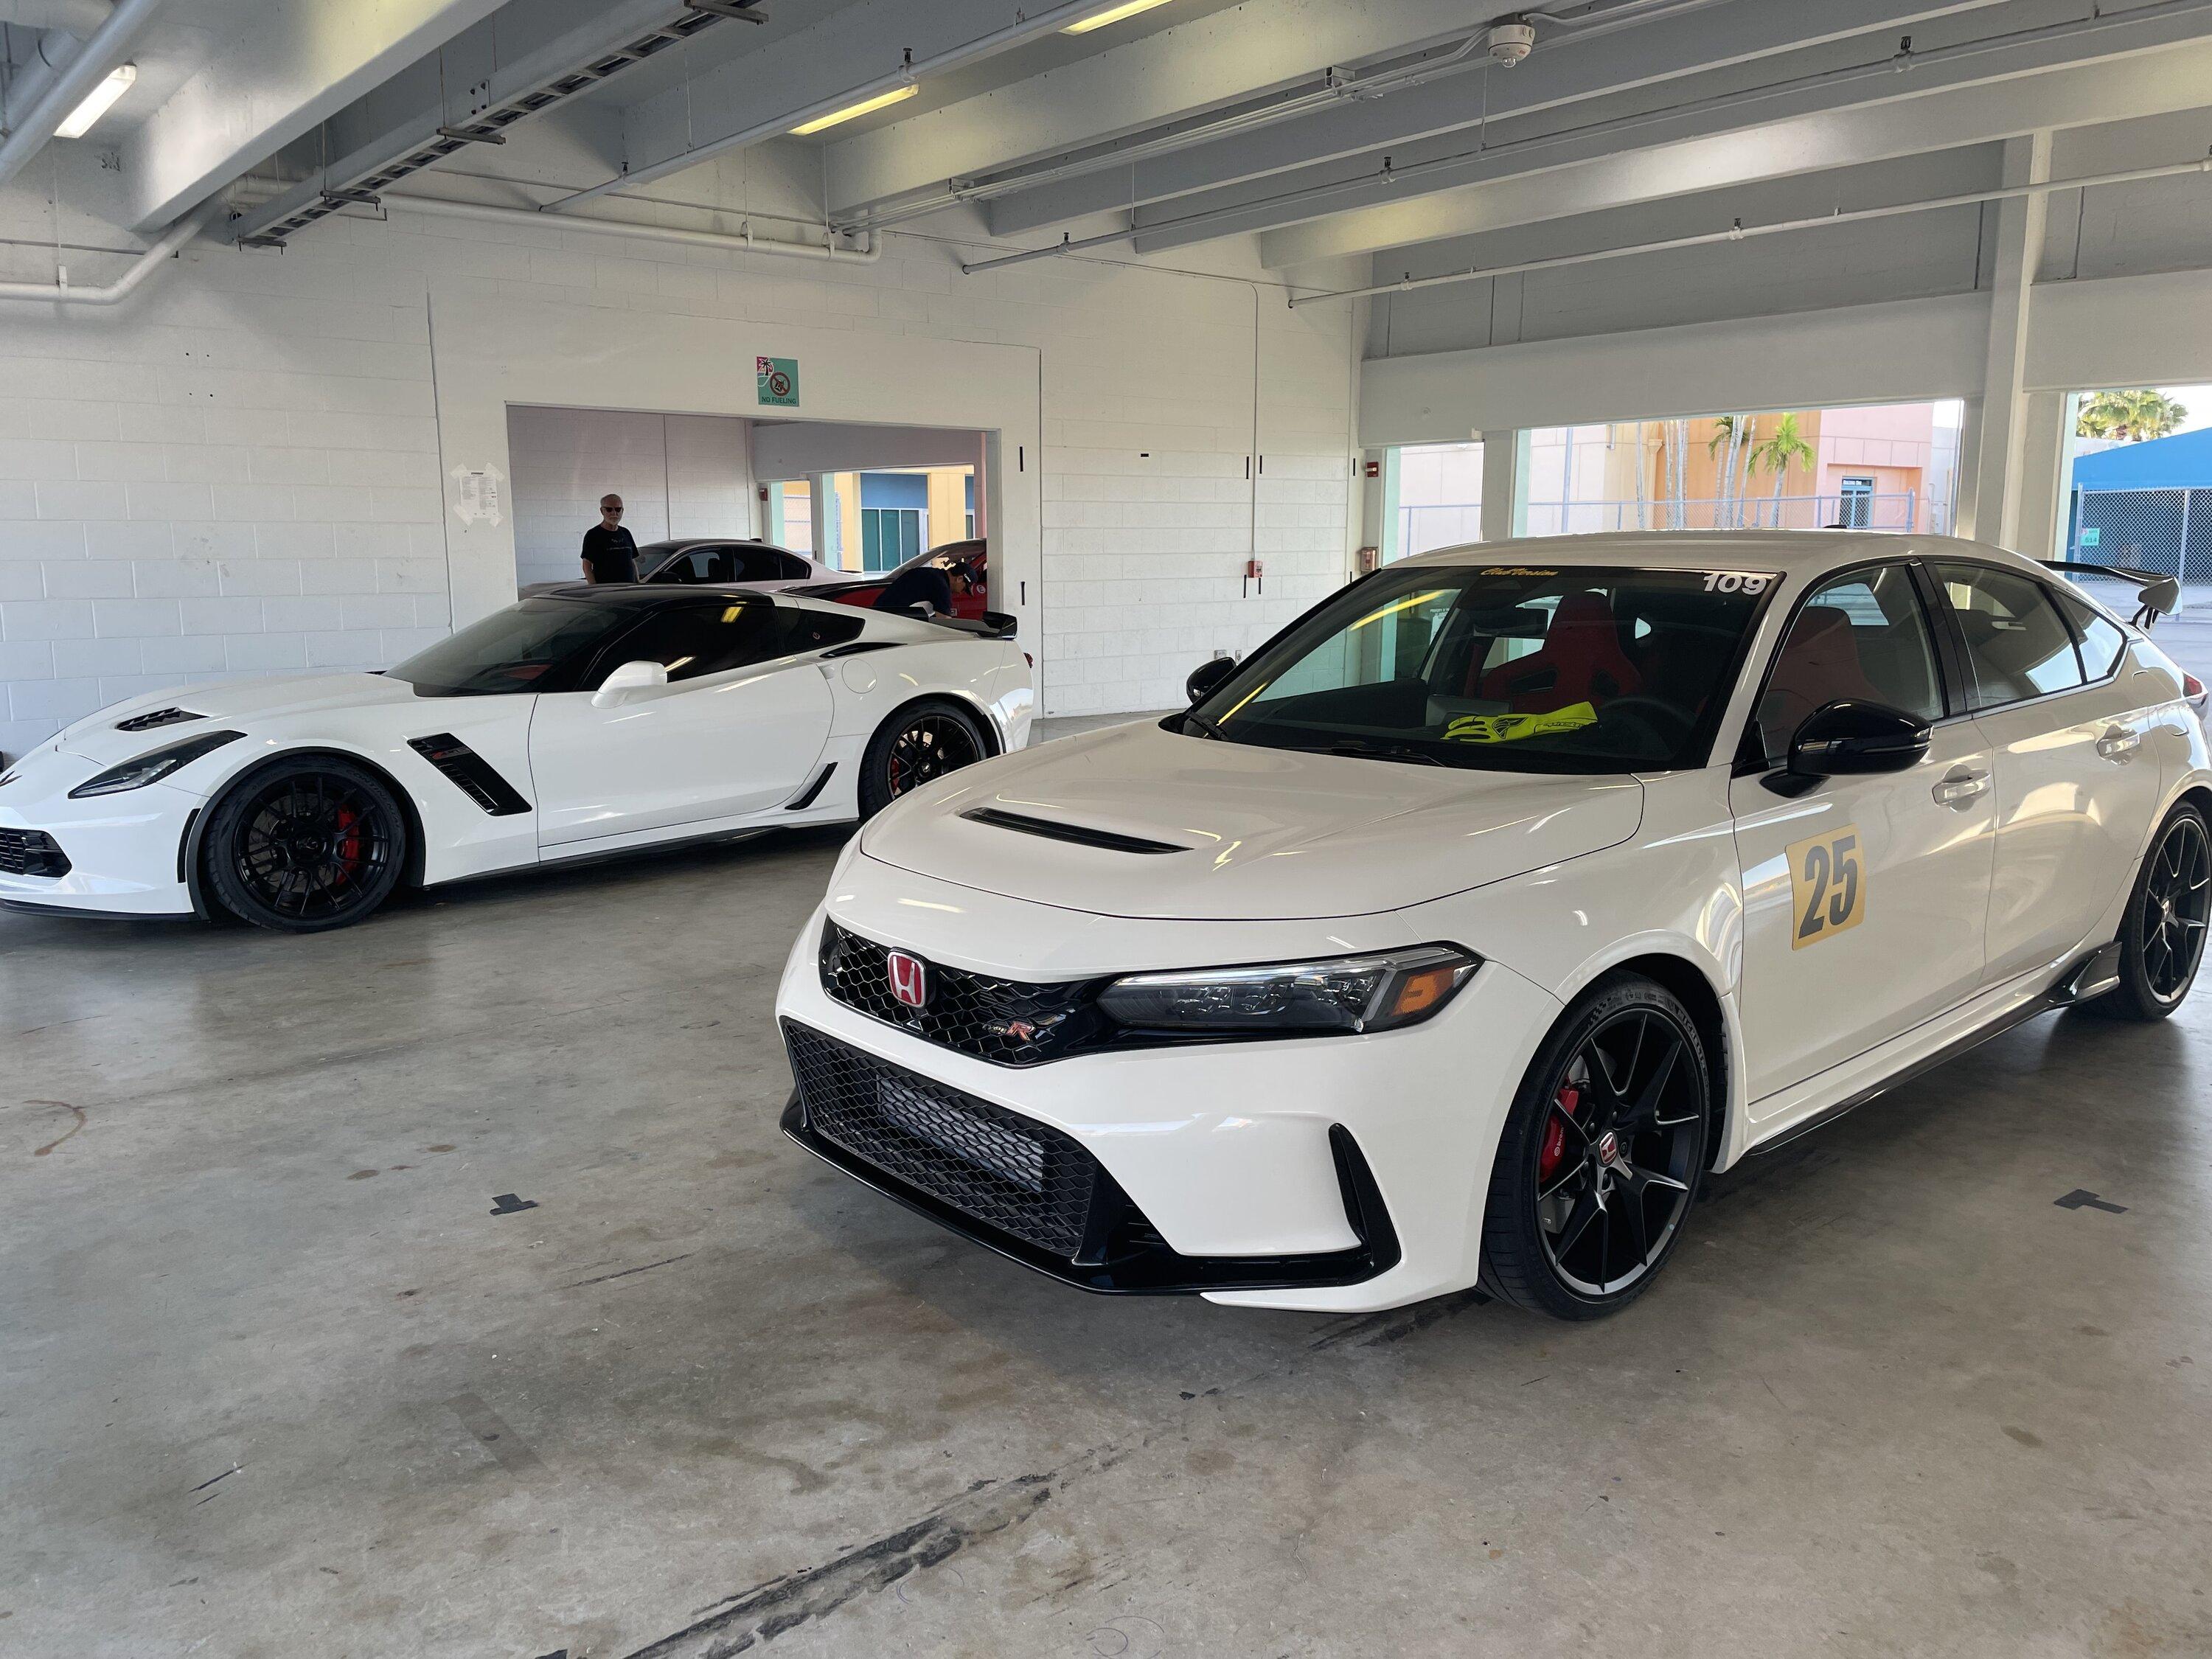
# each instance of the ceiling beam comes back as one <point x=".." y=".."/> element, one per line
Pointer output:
<point x="1564" y="68"/>
<point x="285" y="70"/>
<point x="1209" y="61"/>
<point x="856" y="51"/>
<point x="519" y="55"/>
<point x="1346" y="209"/>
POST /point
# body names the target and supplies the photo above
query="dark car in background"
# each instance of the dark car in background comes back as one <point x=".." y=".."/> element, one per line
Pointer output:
<point x="963" y="566"/>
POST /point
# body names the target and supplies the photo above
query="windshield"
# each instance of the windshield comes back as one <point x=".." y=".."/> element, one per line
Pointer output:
<point x="539" y="645"/>
<point x="1500" y="667"/>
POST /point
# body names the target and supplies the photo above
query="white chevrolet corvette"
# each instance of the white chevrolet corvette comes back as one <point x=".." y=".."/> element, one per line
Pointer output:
<point x="1452" y="937"/>
<point x="579" y="723"/>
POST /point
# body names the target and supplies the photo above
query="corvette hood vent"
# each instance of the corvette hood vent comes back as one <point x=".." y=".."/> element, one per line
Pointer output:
<point x="1232" y="832"/>
<point x="147" y="722"/>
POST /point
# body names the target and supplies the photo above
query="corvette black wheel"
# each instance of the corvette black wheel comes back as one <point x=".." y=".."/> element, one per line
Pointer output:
<point x="2162" y="941"/>
<point x="1603" y="1154"/>
<point x="303" y="846"/>
<point x="917" y="746"/>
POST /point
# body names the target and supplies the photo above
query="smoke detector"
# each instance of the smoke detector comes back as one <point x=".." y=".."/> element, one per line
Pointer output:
<point x="1510" y="42"/>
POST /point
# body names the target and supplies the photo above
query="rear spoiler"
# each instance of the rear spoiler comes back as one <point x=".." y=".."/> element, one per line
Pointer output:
<point x="2158" y="594"/>
<point x="995" y="625"/>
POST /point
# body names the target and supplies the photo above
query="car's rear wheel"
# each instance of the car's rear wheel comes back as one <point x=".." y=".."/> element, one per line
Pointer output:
<point x="306" y="845"/>
<point x="2162" y="941"/>
<point x="919" y="744"/>
<point x="1603" y="1154"/>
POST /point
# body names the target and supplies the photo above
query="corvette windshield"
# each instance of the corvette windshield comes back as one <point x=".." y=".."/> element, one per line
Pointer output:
<point x="539" y="645"/>
<point x="1500" y="668"/>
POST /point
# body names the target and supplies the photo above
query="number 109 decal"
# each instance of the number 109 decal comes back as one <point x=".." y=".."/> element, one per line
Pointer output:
<point x="1827" y="886"/>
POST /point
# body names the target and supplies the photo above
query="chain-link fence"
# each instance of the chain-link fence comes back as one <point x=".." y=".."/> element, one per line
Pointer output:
<point x="2168" y="531"/>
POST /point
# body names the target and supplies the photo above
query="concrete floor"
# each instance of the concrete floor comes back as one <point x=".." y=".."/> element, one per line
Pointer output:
<point x="275" y="1381"/>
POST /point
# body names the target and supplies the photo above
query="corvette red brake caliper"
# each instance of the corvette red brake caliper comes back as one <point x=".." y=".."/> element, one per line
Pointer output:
<point x="348" y="843"/>
<point x="1555" y="1133"/>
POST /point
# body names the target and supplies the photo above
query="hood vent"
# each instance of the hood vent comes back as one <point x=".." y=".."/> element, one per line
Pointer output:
<point x="147" y="722"/>
<point x="1082" y="835"/>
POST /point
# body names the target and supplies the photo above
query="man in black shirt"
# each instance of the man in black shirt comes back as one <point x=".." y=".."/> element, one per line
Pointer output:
<point x="609" y="552"/>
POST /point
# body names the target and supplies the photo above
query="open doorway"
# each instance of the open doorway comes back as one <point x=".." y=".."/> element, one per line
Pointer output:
<point x="855" y="510"/>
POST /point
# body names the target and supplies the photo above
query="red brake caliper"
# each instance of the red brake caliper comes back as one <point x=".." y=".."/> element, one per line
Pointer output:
<point x="349" y="845"/>
<point x="1555" y="1133"/>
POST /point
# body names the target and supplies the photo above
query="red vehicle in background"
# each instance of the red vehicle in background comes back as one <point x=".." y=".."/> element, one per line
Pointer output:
<point x="955" y="577"/>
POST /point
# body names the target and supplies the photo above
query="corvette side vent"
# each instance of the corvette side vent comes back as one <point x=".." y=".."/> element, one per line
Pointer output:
<point x="470" y="772"/>
<point x="147" y="722"/>
<point x="1082" y="833"/>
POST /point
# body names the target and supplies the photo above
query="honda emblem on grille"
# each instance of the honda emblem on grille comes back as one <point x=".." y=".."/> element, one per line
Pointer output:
<point x="908" y="977"/>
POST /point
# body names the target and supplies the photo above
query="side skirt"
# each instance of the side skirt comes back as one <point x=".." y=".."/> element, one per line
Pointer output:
<point x="2094" y="975"/>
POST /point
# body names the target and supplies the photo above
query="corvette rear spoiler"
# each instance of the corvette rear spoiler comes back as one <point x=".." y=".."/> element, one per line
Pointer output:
<point x="2157" y="596"/>
<point x="995" y="625"/>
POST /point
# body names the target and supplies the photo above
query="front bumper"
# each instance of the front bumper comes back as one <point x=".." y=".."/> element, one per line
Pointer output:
<point x="125" y="853"/>
<point x="1339" y="1174"/>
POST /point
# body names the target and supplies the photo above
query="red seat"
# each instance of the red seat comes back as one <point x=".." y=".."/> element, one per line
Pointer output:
<point x="1580" y="661"/>
<point x="1819" y="664"/>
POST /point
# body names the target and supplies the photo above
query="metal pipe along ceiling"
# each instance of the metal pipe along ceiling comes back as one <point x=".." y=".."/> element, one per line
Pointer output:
<point x="170" y="243"/>
<point x="1739" y="232"/>
<point x="576" y="222"/>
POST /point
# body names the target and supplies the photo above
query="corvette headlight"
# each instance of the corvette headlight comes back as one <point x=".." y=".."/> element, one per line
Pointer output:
<point x="1339" y="993"/>
<point x="153" y="767"/>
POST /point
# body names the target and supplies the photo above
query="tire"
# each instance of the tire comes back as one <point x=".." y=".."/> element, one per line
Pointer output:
<point x="2162" y="939"/>
<point x="305" y="845"/>
<point x="919" y="744"/>
<point x="1582" y="1146"/>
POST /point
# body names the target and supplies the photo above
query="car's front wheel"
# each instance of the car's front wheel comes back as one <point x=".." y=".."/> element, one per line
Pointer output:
<point x="919" y="744"/>
<point x="2162" y="941"/>
<point x="305" y="845"/>
<point x="1603" y="1154"/>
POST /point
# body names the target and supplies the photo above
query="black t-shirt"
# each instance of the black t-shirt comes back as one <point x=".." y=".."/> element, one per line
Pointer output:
<point x="612" y="554"/>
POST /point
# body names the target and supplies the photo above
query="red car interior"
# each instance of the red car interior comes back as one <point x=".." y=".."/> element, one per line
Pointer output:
<point x="1580" y="661"/>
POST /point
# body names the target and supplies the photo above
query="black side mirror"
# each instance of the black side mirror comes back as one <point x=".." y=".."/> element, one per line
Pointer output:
<point x="1206" y="677"/>
<point x="1851" y="738"/>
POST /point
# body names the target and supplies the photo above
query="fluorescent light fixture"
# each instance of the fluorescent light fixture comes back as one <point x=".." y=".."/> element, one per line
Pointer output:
<point x="1099" y="19"/>
<point x="897" y="94"/>
<point x="98" y="102"/>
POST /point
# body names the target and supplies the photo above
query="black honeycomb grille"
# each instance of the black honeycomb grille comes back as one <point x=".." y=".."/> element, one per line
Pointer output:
<point x="1006" y="1022"/>
<point x="32" y="853"/>
<point x="1007" y="1171"/>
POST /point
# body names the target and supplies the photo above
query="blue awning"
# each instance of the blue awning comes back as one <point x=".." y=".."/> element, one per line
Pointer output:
<point x="2181" y="462"/>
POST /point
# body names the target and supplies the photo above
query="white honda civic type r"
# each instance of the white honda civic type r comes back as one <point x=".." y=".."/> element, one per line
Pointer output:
<point x="1452" y="937"/>
<point x="580" y="723"/>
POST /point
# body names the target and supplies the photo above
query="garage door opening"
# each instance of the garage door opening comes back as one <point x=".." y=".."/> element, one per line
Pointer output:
<point x="723" y="498"/>
<point x="1874" y="466"/>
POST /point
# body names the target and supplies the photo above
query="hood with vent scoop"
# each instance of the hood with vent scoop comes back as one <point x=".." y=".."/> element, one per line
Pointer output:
<point x="1135" y="821"/>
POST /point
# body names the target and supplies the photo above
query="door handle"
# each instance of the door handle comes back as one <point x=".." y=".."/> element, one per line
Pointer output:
<point x="2119" y="744"/>
<point x="1959" y="790"/>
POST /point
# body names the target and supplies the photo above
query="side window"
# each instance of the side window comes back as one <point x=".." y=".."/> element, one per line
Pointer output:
<point x="2017" y="643"/>
<point x="690" y="569"/>
<point x="802" y="629"/>
<point x="793" y="568"/>
<point x="693" y="639"/>
<point x="2100" y="640"/>
<point x="755" y="564"/>
<point x="1864" y="635"/>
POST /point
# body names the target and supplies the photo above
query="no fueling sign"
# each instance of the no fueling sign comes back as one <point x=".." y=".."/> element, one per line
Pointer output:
<point x="778" y="379"/>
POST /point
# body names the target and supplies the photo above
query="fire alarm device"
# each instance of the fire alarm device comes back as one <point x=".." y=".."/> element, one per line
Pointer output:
<point x="1374" y="469"/>
<point x="1367" y="558"/>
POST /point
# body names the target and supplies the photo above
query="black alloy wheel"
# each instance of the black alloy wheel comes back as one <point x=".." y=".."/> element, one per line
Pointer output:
<point x="2162" y="941"/>
<point x="306" y="845"/>
<point x="916" y="746"/>
<point x="1603" y="1154"/>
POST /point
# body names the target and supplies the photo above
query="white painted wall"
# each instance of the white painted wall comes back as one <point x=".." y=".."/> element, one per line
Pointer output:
<point x="240" y="471"/>
<point x="678" y="475"/>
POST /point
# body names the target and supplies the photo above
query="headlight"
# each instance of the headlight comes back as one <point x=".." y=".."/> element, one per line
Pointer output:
<point x="1342" y="994"/>
<point x="152" y="767"/>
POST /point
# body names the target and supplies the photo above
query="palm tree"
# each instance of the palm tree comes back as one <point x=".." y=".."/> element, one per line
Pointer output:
<point x="1738" y="432"/>
<point x="2129" y="415"/>
<point x="1787" y="446"/>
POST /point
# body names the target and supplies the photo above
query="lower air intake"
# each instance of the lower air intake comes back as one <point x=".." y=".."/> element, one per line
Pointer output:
<point x="32" y="853"/>
<point x="1008" y="1172"/>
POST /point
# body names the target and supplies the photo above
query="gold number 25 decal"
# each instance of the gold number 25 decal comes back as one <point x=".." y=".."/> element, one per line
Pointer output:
<point x="1827" y="886"/>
